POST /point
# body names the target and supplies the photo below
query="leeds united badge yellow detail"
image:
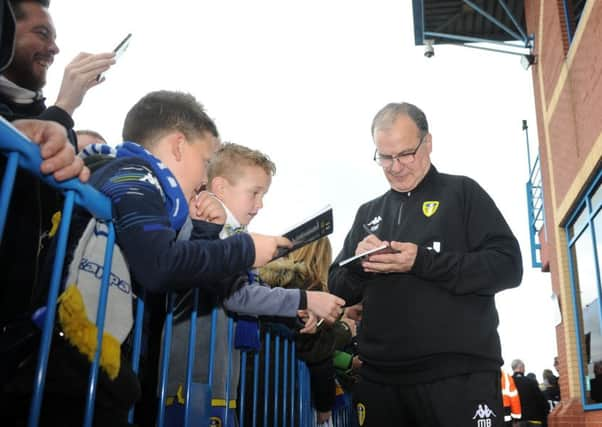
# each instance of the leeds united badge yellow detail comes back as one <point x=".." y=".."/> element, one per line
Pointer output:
<point x="361" y="413"/>
<point x="429" y="208"/>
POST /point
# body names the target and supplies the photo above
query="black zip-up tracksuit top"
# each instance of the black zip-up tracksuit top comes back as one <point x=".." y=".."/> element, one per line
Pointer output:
<point x="439" y="319"/>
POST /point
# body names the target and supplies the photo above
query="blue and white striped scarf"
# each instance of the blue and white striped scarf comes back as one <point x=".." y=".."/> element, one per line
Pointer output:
<point x="175" y="201"/>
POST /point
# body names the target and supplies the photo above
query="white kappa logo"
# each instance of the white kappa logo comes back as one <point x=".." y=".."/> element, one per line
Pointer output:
<point x="374" y="223"/>
<point x="483" y="413"/>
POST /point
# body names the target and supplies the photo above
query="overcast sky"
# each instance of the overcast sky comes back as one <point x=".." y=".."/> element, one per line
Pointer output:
<point x="301" y="81"/>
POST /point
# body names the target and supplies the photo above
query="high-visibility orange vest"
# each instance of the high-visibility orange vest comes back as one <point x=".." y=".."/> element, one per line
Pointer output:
<point x="512" y="409"/>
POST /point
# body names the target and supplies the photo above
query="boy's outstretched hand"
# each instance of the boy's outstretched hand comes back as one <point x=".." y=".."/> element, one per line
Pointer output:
<point x="310" y="321"/>
<point x="324" y="305"/>
<point x="266" y="247"/>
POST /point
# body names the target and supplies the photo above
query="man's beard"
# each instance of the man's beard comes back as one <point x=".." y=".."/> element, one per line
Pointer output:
<point x="23" y="74"/>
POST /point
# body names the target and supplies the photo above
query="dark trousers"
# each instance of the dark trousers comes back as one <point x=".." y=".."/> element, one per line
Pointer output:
<point x="461" y="401"/>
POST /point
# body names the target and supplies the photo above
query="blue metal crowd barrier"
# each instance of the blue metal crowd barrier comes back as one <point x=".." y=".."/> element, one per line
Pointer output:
<point x="289" y="400"/>
<point x="20" y="152"/>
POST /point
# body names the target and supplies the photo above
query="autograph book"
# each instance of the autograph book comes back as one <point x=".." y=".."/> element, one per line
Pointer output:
<point x="313" y="228"/>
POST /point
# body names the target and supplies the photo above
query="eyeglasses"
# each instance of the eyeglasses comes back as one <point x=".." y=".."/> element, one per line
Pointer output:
<point x="405" y="157"/>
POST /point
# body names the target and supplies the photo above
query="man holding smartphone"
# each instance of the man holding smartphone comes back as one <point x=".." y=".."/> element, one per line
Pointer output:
<point x="428" y="340"/>
<point x="21" y="84"/>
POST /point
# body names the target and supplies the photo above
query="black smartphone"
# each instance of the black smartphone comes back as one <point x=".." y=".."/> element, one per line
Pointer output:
<point x="119" y="49"/>
<point x="122" y="46"/>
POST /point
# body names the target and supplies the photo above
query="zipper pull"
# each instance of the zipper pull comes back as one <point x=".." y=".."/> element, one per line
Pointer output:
<point x="399" y="212"/>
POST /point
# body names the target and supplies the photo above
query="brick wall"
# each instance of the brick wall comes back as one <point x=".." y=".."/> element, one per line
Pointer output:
<point x="567" y="83"/>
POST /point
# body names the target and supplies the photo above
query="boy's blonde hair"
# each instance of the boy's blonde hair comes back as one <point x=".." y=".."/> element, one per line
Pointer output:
<point x="317" y="257"/>
<point x="229" y="160"/>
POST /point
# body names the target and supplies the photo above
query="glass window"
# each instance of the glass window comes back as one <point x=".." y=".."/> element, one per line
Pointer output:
<point x="585" y="282"/>
<point x="579" y="222"/>
<point x="584" y="254"/>
<point x="598" y="234"/>
<point x="573" y="9"/>
<point x="597" y="198"/>
<point x="585" y="269"/>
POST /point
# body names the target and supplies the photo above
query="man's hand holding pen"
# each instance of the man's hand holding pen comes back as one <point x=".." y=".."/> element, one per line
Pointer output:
<point x="399" y="258"/>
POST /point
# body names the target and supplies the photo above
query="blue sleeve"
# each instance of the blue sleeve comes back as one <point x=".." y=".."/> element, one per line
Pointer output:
<point x="258" y="300"/>
<point x="346" y="281"/>
<point x="157" y="261"/>
<point x="205" y="230"/>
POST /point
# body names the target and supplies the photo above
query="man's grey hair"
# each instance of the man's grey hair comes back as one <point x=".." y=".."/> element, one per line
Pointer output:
<point x="385" y="118"/>
<point x="517" y="364"/>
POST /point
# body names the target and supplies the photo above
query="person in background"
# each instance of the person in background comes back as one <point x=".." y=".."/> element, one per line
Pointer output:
<point x="512" y="408"/>
<point x="22" y="82"/>
<point x="532" y="401"/>
<point x="346" y="360"/>
<point x="21" y="238"/>
<point x="34" y="204"/>
<point x="86" y="137"/>
<point x="595" y="384"/>
<point x="557" y="368"/>
<point x="307" y="269"/>
<point x="551" y="391"/>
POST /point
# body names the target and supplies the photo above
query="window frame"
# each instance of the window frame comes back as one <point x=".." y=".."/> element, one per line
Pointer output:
<point x="584" y="204"/>
<point x="570" y="31"/>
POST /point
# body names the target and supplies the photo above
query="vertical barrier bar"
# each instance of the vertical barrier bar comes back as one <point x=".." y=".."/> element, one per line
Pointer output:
<point x="212" y="346"/>
<point x="266" y="385"/>
<point x="229" y="370"/>
<point x="301" y="393"/>
<point x="165" y="360"/>
<point x="8" y="182"/>
<point x="293" y="372"/>
<point x="100" y="323"/>
<point x="137" y="341"/>
<point x="276" y="375"/>
<point x="347" y="414"/>
<point x="307" y="411"/>
<point x="255" y="386"/>
<point x="46" y="339"/>
<point x="243" y="386"/>
<point x="284" y="380"/>
<point x="190" y="359"/>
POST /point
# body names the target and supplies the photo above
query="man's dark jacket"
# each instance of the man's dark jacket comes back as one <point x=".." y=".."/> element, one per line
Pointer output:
<point x="439" y="319"/>
<point x="532" y="401"/>
<point x="29" y="220"/>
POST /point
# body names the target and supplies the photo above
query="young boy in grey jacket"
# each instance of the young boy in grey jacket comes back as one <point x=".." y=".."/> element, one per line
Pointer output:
<point x="239" y="178"/>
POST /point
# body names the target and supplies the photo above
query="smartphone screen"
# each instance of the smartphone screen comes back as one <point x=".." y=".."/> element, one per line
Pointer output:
<point x="119" y="49"/>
